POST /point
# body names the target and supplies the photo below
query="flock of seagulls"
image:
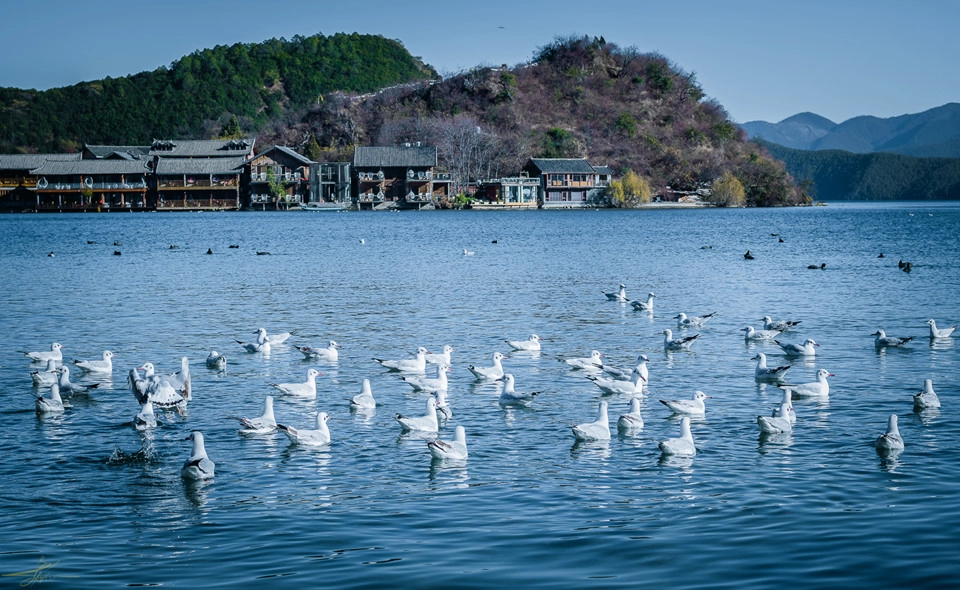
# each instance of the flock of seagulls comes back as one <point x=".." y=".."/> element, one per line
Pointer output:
<point x="173" y="392"/>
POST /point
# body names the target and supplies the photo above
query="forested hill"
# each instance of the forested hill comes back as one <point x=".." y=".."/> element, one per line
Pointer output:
<point x="199" y="95"/>
<point x="577" y="98"/>
<point x="842" y="175"/>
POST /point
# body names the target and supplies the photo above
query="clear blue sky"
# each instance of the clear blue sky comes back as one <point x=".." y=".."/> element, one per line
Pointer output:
<point x="762" y="59"/>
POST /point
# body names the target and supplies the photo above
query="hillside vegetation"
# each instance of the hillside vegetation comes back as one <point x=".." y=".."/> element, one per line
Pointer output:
<point x="578" y="97"/>
<point x="842" y="175"/>
<point x="238" y="89"/>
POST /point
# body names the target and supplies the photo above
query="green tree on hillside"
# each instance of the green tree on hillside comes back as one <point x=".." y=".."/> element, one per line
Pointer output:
<point x="727" y="191"/>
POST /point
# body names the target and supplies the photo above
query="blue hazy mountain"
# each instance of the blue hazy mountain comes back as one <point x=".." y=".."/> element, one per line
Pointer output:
<point x="932" y="133"/>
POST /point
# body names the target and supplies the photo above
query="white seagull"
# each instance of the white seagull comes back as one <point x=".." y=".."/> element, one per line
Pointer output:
<point x="441" y="357"/>
<point x="599" y="429"/>
<point x="819" y="388"/>
<point x="261" y="344"/>
<point x="765" y="373"/>
<point x="442" y="406"/>
<point x="940" y="332"/>
<point x="181" y="379"/>
<point x="426" y="384"/>
<point x="145" y="418"/>
<point x="805" y="349"/>
<point x="620" y="295"/>
<point x="510" y="398"/>
<point x="490" y="373"/>
<point x="263" y="424"/>
<point x="414" y="365"/>
<point x="881" y="340"/>
<point x="312" y="438"/>
<point x="752" y="334"/>
<point x="164" y="396"/>
<point x="692" y="322"/>
<point x="693" y="406"/>
<point x="52" y="403"/>
<point x="634" y="386"/>
<point x="632" y="420"/>
<point x="629" y="374"/>
<point x="643" y="305"/>
<point x="45" y="377"/>
<point x="787" y="399"/>
<point x="782" y="325"/>
<point x="426" y="423"/>
<point x="594" y="362"/>
<point x="97" y="366"/>
<point x="216" y="361"/>
<point x="681" y="343"/>
<point x="364" y="400"/>
<point x="69" y="388"/>
<point x="42" y="357"/>
<point x="198" y="466"/>
<point x="304" y="390"/>
<point x="891" y="439"/>
<point x="454" y="449"/>
<point x="329" y="354"/>
<point x="680" y="447"/>
<point x="531" y="344"/>
<point x="927" y="398"/>
<point x="781" y="421"/>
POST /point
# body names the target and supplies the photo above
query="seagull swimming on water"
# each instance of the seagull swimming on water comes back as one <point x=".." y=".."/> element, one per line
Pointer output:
<point x="441" y="357"/>
<point x="693" y="406"/>
<point x="198" y="466"/>
<point x="692" y="322"/>
<point x="426" y="384"/>
<point x="752" y="334"/>
<point x="780" y="422"/>
<point x="216" y="361"/>
<point x="782" y="325"/>
<point x="592" y="362"/>
<point x="682" y="446"/>
<point x="304" y="390"/>
<point x="530" y="344"/>
<point x="145" y="418"/>
<point x="643" y="305"/>
<point x="51" y="403"/>
<point x="511" y="398"/>
<point x="329" y="354"/>
<point x="819" y="388"/>
<point x="490" y="373"/>
<point x="805" y="349"/>
<point x="620" y="295"/>
<point x="890" y="440"/>
<point x="43" y="356"/>
<point x="426" y="423"/>
<point x="632" y="420"/>
<point x="263" y="424"/>
<point x="765" y="373"/>
<point x="940" y="332"/>
<point x="67" y="387"/>
<point x="681" y="343"/>
<point x="97" y="366"/>
<point x="261" y="344"/>
<point x="881" y="340"/>
<point x="454" y="449"/>
<point x="417" y="364"/>
<point x="599" y="429"/>
<point x="45" y="377"/>
<point x="364" y="400"/>
<point x="927" y="398"/>
<point x="317" y="437"/>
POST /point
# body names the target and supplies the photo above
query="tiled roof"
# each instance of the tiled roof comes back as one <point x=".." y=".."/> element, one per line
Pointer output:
<point x="201" y="148"/>
<point x="123" y="151"/>
<point x="604" y="170"/>
<point x="168" y="166"/>
<point x="284" y="149"/>
<point x="563" y="165"/>
<point x="31" y="161"/>
<point x="90" y="167"/>
<point x="395" y="157"/>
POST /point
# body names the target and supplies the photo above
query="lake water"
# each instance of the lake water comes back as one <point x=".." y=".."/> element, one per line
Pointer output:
<point x="87" y="501"/>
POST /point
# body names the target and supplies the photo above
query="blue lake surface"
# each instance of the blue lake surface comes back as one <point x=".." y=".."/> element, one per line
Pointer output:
<point x="87" y="501"/>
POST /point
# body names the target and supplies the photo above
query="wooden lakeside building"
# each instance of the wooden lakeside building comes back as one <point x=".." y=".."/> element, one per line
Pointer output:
<point x="402" y="176"/>
<point x="567" y="183"/>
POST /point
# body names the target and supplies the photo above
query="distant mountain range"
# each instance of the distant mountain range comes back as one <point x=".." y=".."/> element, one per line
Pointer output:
<point x="932" y="133"/>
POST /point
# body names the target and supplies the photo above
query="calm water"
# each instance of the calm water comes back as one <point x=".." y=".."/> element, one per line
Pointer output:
<point x="104" y="506"/>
